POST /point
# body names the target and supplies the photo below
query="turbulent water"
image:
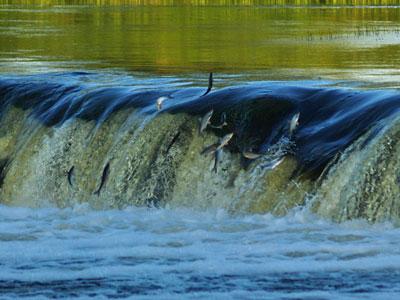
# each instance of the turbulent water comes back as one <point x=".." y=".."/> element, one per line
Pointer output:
<point x="163" y="253"/>
<point x="162" y="223"/>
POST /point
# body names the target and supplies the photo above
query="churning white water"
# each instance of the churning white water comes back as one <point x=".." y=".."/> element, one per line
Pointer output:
<point x="180" y="253"/>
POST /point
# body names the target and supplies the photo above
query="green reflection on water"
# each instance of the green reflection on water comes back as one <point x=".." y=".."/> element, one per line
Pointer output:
<point x="202" y="2"/>
<point x="183" y="38"/>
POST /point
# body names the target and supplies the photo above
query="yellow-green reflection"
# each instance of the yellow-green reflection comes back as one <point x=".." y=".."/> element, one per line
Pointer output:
<point x="186" y="38"/>
<point x="202" y="2"/>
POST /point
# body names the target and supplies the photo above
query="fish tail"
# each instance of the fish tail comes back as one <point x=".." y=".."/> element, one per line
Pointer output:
<point x="209" y="149"/>
<point x="215" y="168"/>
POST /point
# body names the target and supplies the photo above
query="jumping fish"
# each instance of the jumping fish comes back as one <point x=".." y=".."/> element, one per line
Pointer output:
<point x="104" y="176"/>
<point x="210" y="84"/>
<point x="159" y="102"/>
<point x="225" y="140"/>
<point x="251" y="155"/>
<point x="217" y="146"/>
<point x="205" y="120"/>
<point x="70" y="174"/>
<point x="210" y="149"/>
<point x="217" y="159"/>
<point x="294" y="122"/>
<point x="274" y="163"/>
<point x="222" y="122"/>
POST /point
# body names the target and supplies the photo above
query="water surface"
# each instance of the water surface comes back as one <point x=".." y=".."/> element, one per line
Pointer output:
<point x="270" y="42"/>
<point x="78" y="252"/>
<point x="175" y="252"/>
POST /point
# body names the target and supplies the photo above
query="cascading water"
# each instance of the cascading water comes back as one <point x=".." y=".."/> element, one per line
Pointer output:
<point x="58" y="138"/>
<point x="105" y="196"/>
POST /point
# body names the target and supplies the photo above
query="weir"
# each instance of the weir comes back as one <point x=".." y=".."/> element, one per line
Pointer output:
<point x="343" y="157"/>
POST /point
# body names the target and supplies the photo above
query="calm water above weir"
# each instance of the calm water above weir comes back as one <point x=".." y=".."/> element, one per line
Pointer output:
<point x="78" y="81"/>
<point x="269" y="40"/>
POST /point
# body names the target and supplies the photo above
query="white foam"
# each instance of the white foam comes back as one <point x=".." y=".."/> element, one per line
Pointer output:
<point x="67" y="244"/>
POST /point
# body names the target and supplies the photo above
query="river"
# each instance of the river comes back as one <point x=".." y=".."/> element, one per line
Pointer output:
<point x="104" y="196"/>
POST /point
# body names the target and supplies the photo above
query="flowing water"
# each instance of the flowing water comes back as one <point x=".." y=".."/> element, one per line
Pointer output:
<point x="104" y="196"/>
<point x="151" y="253"/>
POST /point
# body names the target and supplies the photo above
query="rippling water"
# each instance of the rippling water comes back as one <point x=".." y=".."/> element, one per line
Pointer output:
<point x="170" y="253"/>
<point x="269" y="41"/>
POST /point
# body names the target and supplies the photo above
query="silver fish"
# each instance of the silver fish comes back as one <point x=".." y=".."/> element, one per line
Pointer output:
<point x="251" y="155"/>
<point x="104" y="177"/>
<point x="205" y="120"/>
<point x="210" y="84"/>
<point x="210" y="149"/>
<point x="217" y="146"/>
<point x="225" y="140"/>
<point x="217" y="159"/>
<point x="159" y="102"/>
<point x="274" y="163"/>
<point x="223" y="119"/>
<point x="222" y="122"/>
<point x="294" y="122"/>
